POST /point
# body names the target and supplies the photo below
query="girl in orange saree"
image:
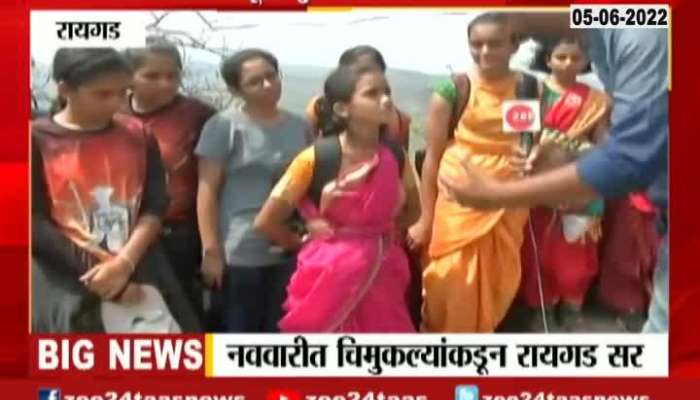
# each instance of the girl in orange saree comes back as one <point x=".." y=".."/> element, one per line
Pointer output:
<point x="473" y="272"/>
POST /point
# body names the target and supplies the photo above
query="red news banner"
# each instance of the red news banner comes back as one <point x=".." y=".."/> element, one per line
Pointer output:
<point x="336" y="355"/>
<point x="119" y="365"/>
<point x="117" y="355"/>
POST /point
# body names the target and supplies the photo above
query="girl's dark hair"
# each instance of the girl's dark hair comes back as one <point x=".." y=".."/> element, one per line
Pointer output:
<point x="154" y="45"/>
<point x="491" y="18"/>
<point x="350" y="56"/>
<point x="78" y="66"/>
<point x="339" y="87"/>
<point x="231" y="67"/>
<point x="547" y="46"/>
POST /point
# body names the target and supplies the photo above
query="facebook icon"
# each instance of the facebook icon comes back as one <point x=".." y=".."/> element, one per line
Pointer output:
<point x="49" y="394"/>
<point x="467" y="392"/>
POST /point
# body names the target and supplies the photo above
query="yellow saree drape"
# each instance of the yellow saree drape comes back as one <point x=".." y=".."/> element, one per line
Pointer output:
<point x="473" y="271"/>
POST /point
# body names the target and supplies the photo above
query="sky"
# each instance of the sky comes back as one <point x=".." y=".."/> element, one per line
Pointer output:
<point x="421" y="40"/>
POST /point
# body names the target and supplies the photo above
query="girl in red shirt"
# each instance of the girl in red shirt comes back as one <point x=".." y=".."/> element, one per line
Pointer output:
<point x="175" y="122"/>
<point x="98" y="197"/>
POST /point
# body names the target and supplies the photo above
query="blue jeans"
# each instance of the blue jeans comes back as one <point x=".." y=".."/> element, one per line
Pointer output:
<point x="251" y="298"/>
<point x="182" y="247"/>
<point x="657" y="320"/>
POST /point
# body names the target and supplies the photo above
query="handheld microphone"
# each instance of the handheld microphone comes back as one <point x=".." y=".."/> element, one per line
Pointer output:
<point x="527" y="140"/>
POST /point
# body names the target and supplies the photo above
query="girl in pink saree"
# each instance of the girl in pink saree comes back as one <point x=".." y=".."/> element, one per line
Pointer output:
<point x="352" y="274"/>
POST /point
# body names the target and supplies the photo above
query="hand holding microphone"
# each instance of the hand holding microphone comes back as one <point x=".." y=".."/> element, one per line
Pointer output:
<point x="521" y="117"/>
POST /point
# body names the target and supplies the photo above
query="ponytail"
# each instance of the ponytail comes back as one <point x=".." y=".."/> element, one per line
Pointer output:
<point x="329" y="123"/>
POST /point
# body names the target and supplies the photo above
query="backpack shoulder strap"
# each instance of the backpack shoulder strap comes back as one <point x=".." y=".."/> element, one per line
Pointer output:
<point x="463" y="86"/>
<point x="397" y="151"/>
<point x="327" y="158"/>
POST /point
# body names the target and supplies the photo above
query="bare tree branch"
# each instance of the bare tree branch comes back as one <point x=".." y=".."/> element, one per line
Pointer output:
<point x="186" y="39"/>
<point x="157" y="19"/>
<point x="367" y="19"/>
<point x="216" y="28"/>
<point x="206" y="21"/>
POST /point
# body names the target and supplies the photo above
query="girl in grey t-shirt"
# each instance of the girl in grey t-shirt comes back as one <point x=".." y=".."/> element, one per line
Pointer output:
<point x="241" y="153"/>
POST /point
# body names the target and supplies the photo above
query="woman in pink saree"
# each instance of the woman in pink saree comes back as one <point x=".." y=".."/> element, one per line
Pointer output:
<point x="352" y="274"/>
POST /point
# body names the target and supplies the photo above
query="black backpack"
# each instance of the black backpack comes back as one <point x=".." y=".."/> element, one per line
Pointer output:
<point x="328" y="156"/>
<point x="527" y="89"/>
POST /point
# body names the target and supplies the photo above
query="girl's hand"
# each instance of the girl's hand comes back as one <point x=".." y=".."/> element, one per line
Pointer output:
<point x="213" y="269"/>
<point x="418" y="235"/>
<point x="549" y="155"/>
<point x="521" y="163"/>
<point x="108" y="278"/>
<point x="319" y="228"/>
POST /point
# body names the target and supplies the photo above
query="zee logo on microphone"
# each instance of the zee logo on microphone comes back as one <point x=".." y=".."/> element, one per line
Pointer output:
<point x="521" y="116"/>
